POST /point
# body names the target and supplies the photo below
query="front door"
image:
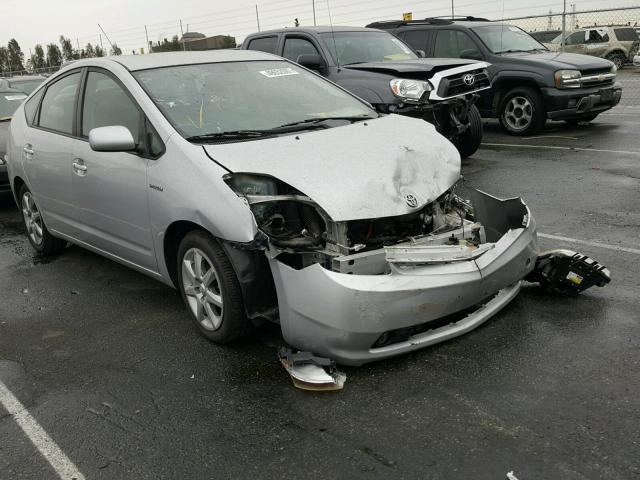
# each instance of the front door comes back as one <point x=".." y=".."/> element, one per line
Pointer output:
<point x="110" y="188"/>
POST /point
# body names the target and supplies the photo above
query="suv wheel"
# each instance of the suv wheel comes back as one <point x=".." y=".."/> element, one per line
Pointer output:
<point x="617" y="58"/>
<point x="470" y="140"/>
<point x="210" y="289"/>
<point x="521" y="111"/>
<point x="39" y="237"/>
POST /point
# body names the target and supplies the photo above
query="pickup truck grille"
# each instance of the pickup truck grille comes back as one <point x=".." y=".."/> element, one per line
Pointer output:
<point x="597" y="77"/>
<point x="454" y="85"/>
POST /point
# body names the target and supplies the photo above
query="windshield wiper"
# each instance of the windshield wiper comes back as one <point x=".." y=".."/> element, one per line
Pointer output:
<point x="314" y="121"/>
<point x="515" y="51"/>
<point x="231" y="135"/>
<point x="5" y="119"/>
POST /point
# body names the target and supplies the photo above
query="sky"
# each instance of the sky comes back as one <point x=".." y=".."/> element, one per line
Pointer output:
<point x="43" y="21"/>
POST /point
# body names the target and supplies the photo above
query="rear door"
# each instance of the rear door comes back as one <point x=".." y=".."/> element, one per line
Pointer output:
<point x="111" y="188"/>
<point x="47" y="154"/>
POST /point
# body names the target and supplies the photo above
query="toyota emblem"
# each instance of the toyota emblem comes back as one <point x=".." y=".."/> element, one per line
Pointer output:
<point x="411" y="200"/>
<point x="469" y="79"/>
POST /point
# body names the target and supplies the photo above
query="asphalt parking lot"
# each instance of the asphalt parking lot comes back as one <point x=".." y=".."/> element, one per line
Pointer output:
<point x="106" y="361"/>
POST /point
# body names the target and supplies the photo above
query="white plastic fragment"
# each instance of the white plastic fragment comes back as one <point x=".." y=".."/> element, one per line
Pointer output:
<point x="511" y="476"/>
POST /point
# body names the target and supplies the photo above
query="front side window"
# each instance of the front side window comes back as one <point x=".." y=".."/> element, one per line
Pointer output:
<point x="57" y="109"/>
<point x="350" y="48"/>
<point x="264" y="44"/>
<point x="576" y="38"/>
<point x="260" y="95"/>
<point x="107" y="104"/>
<point x="452" y="44"/>
<point x="507" y="38"/>
<point x="295" y="47"/>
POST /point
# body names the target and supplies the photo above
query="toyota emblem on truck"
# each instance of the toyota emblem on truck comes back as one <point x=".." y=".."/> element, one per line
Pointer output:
<point x="469" y="79"/>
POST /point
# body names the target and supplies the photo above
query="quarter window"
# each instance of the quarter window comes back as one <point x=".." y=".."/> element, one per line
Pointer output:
<point x="452" y="44"/>
<point x="264" y="44"/>
<point x="57" y="109"/>
<point x="295" y="47"/>
<point x="107" y="104"/>
<point x="31" y="106"/>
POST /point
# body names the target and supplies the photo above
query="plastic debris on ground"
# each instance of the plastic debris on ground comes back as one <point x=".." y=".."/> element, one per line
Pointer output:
<point x="309" y="372"/>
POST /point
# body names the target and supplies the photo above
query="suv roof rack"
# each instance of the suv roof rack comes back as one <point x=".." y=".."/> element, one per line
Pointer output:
<point x="444" y="20"/>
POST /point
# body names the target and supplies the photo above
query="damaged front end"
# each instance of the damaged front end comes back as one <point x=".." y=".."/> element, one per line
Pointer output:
<point x="362" y="290"/>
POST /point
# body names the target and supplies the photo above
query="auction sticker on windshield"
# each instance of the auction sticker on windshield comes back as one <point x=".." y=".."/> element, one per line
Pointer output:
<point x="278" y="72"/>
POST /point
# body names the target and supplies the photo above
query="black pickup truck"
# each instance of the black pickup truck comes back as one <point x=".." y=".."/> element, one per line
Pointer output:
<point x="391" y="76"/>
<point x="530" y="83"/>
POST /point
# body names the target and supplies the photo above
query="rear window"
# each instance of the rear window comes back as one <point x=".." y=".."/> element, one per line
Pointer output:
<point x="626" y="34"/>
<point x="264" y="44"/>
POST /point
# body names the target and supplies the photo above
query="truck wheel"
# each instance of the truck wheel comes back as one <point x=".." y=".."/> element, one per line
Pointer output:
<point x="617" y="58"/>
<point x="521" y="111"/>
<point x="210" y="289"/>
<point x="39" y="237"/>
<point x="470" y="140"/>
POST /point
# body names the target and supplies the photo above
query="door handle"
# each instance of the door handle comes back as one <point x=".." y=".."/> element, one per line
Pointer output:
<point x="79" y="168"/>
<point x="28" y="150"/>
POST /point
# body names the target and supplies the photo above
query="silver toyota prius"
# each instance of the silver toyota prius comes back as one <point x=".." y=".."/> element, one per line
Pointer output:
<point x="264" y="192"/>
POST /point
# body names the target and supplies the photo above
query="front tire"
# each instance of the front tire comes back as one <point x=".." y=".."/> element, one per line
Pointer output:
<point x="469" y="142"/>
<point x="210" y="289"/>
<point x="39" y="237"/>
<point x="521" y="111"/>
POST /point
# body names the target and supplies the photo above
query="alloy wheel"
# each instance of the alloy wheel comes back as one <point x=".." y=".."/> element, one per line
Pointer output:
<point x="32" y="218"/>
<point x="518" y="113"/>
<point x="202" y="288"/>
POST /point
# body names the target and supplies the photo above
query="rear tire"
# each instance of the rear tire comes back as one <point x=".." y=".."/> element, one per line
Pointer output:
<point x="210" y="289"/>
<point x="39" y="237"/>
<point x="617" y="58"/>
<point x="521" y="111"/>
<point x="469" y="142"/>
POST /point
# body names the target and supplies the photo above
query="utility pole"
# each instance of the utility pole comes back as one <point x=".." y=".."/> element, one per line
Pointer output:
<point x="184" y="47"/>
<point x="550" y="22"/>
<point x="573" y="16"/>
<point x="146" y="34"/>
<point x="313" y="4"/>
<point x="106" y="36"/>
<point x="564" y="24"/>
<point x="452" y="14"/>
<point x="257" y="17"/>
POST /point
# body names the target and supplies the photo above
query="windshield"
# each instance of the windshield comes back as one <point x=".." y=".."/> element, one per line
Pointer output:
<point x="9" y="102"/>
<point x="507" y="38"/>
<point x="215" y="98"/>
<point x="364" y="47"/>
<point x="26" y="86"/>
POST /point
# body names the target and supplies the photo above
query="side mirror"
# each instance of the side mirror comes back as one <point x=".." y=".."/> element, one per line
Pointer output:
<point x="111" y="139"/>
<point x="471" y="55"/>
<point x="421" y="53"/>
<point x="312" y="61"/>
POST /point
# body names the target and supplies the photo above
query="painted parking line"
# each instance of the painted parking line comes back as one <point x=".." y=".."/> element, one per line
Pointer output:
<point x="62" y="465"/>
<point x="607" y="246"/>
<point x="554" y="147"/>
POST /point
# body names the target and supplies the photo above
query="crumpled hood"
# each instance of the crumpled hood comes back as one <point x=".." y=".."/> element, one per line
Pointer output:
<point x="558" y="60"/>
<point x="421" y="65"/>
<point x="359" y="171"/>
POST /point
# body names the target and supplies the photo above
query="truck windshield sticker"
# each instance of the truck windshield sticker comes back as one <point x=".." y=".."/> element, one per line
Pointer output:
<point x="278" y="72"/>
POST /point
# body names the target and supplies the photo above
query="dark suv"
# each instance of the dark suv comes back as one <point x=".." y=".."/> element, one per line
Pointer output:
<point x="388" y="74"/>
<point x="530" y="83"/>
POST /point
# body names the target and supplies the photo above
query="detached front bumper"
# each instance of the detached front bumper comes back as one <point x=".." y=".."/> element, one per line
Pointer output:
<point x="356" y="319"/>
<point x="565" y="104"/>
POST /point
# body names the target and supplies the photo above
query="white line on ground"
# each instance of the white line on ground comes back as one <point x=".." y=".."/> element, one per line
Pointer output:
<point x="617" y="248"/>
<point x="64" y="467"/>
<point x="553" y="147"/>
<point x="622" y="114"/>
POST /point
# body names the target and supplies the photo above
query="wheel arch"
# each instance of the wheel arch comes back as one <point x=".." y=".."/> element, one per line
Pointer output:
<point x="502" y="86"/>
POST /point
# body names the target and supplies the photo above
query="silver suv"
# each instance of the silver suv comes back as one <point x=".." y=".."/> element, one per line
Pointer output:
<point x="263" y="191"/>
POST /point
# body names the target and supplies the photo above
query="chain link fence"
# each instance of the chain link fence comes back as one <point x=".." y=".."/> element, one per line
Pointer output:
<point x="612" y="34"/>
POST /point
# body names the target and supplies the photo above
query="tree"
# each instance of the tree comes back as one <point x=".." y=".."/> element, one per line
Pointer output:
<point x="99" y="52"/>
<point x="54" y="55"/>
<point x="115" y="50"/>
<point x="16" y="57"/>
<point x="4" y="59"/>
<point x="37" y="59"/>
<point x="67" y="48"/>
<point x="89" y="51"/>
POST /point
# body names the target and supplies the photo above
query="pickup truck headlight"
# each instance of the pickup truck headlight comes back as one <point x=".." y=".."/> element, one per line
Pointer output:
<point x="409" y="90"/>
<point x="568" y="79"/>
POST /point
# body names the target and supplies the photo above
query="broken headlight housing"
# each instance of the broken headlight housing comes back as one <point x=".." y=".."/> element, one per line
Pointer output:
<point x="568" y="79"/>
<point x="288" y="217"/>
<point x="409" y="90"/>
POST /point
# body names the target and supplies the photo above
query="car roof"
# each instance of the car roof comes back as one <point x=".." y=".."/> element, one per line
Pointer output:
<point x="172" y="59"/>
<point x="312" y="29"/>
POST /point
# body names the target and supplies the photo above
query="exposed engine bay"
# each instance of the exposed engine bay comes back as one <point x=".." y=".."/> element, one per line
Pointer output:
<point x="300" y="233"/>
